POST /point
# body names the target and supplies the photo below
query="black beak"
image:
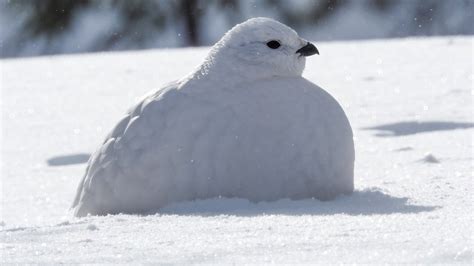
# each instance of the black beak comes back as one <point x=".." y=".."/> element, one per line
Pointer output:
<point x="308" y="49"/>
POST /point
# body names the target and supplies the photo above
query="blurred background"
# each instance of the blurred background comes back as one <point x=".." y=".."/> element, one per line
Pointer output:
<point x="44" y="27"/>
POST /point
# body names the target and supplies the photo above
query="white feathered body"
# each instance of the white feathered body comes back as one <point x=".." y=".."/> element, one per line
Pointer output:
<point x="275" y="138"/>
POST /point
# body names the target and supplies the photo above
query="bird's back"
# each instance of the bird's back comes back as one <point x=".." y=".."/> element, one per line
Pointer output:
<point x="265" y="140"/>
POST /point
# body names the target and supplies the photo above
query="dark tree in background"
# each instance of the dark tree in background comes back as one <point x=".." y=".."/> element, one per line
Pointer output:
<point x="191" y="16"/>
<point x="35" y="27"/>
<point x="50" y="17"/>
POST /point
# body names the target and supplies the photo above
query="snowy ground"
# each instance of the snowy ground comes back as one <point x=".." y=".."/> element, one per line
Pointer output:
<point x="410" y="105"/>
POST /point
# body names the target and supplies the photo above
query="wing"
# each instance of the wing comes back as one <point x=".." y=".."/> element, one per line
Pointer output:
<point x="115" y="157"/>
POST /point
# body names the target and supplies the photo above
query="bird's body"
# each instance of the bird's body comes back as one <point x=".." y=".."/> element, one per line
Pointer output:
<point x="226" y="130"/>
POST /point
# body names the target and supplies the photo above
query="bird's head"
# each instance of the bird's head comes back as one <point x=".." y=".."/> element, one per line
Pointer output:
<point x="261" y="48"/>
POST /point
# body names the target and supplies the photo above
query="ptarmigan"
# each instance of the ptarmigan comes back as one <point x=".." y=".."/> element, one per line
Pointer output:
<point x="244" y="124"/>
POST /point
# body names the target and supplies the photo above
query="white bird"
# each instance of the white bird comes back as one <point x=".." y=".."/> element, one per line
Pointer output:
<point x="244" y="124"/>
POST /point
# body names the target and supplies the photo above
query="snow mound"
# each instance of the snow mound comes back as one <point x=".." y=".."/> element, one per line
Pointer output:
<point x="92" y="227"/>
<point x="429" y="158"/>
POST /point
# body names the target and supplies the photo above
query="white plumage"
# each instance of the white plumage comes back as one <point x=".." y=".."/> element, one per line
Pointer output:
<point x="243" y="124"/>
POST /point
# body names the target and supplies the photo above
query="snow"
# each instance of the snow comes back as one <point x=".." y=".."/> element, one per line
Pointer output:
<point x="403" y="210"/>
<point x="429" y="158"/>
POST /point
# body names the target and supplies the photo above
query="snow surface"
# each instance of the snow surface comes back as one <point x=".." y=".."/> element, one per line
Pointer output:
<point x="405" y="98"/>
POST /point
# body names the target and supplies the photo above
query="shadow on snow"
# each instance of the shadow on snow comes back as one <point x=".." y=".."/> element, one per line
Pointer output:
<point x="69" y="159"/>
<point x="415" y="127"/>
<point x="363" y="202"/>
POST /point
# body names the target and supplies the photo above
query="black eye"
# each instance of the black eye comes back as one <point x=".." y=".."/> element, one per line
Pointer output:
<point x="273" y="44"/>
